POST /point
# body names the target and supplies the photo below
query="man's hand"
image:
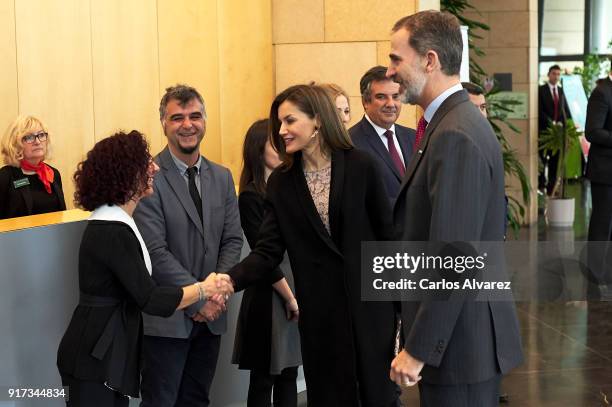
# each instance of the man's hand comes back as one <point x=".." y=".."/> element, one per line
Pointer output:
<point x="405" y="369"/>
<point x="211" y="310"/>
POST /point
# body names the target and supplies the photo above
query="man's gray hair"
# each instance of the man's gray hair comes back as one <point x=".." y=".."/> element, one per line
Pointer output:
<point x="184" y="94"/>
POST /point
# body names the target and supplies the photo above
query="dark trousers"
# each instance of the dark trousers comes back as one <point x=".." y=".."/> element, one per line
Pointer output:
<point x="600" y="233"/>
<point x="483" y="394"/>
<point x="549" y="162"/>
<point x="179" y="372"/>
<point x="83" y="393"/>
<point x="285" y="389"/>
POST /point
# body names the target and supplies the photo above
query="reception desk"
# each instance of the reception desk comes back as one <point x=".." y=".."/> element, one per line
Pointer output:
<point x="39" y="291"/>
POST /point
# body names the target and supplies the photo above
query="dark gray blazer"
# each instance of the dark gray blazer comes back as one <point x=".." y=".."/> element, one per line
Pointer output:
<point x="182" y="251"/>
<point x="365" y="138"/>
<point x="454" y="191"/>
<point x="599" y="133"/>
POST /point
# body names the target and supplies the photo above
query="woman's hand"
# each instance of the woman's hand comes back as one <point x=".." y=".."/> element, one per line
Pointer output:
<point x="217" y="284"/>
<point x="292" y="310"/>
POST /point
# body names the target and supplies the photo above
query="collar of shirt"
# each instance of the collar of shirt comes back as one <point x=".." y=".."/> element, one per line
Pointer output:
<point x="437" y="102"/>
<point x="182" y="167"/>
<point x="551" y="87"/>
<point x="379" y="130"/>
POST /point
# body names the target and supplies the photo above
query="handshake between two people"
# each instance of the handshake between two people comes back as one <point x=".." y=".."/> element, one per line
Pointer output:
<point x="217" y="288"/>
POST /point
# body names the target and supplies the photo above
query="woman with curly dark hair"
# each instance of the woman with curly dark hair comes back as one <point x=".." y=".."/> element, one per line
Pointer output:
<point x="99" y="355"/>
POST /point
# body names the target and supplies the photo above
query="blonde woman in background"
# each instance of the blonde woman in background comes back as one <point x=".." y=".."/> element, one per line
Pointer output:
<point x="341" y="100"/>
<point x="28" y="186"/>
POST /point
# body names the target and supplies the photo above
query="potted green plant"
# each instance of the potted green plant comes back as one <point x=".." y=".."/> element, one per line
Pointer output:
<point x="557" y="139"/>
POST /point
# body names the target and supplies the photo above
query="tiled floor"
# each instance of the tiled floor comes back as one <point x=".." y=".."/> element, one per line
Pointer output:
<point x="568" y="347"/>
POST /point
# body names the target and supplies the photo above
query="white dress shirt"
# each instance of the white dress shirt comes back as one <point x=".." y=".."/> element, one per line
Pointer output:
<point x="431" y="110"/>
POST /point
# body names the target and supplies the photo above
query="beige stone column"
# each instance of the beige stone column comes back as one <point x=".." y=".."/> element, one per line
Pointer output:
<point x="512" y="47"/>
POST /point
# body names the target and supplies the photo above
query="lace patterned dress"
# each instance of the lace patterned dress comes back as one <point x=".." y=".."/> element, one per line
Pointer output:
<point x="319" y="183"/>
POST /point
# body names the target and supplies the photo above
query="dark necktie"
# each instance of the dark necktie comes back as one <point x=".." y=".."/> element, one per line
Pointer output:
<point x="555" y="104"/>
<point x="193" y="190"/>
<point x="420" y="132"/>
<point x="395" y="157"/>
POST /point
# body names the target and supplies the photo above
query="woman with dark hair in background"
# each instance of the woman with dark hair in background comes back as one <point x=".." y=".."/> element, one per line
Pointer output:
<point x="266" y="342"/>
<point x="28" y="186"/>
<point x="321" y="203"/>
<point x="100" y="353"/>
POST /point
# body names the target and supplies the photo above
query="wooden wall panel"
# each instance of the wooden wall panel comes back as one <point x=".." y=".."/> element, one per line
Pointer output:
<point x="125" y="68"/>
<point x="8" y="65"/>
<point x="55" y="77"/>
<point x="246" y="80"/>
<point x="189" y="53"/>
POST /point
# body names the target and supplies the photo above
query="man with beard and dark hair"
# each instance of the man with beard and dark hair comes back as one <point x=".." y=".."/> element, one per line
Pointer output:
<point x="191" y="227"/>
<point x="453" y="191"/>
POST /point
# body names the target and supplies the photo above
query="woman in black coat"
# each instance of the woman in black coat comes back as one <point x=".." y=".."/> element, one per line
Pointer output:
<point x="324" y="200"/>
<point x="28" y="186"/>
<point x="100" y="353"/>
<point x="267" y="343"/>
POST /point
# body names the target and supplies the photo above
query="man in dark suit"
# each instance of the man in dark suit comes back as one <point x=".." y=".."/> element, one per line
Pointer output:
<point x="599" y="171"/>
<point x="191" y="227"/>
<point x="453" y="191"/>
<point x="389" y="143"/>
<point x="552" y="108"/>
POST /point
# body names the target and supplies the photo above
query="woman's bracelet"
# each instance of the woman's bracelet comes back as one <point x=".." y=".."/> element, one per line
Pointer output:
<point x="200" y="291"/>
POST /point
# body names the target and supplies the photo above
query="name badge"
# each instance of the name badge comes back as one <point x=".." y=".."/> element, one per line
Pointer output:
<point x="21" y="183"/>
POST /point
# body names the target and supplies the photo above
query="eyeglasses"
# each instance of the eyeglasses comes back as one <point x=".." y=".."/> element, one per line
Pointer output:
<point x="29" y="139"/>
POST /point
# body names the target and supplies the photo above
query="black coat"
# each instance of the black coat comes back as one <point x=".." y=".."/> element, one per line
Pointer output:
<point x="254" y="326"/>
<point x="365" y="138"/>
<point x="344" y="340"/>
<point x="18" y="201"/>
<point x="599" y="133"/>
<point x="111" y="266"/>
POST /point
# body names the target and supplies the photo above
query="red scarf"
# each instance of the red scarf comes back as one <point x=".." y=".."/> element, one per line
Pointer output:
<point x="44" y="172"/>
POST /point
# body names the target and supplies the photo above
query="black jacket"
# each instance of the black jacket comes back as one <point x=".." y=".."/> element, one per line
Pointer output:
<point x="103" y="343"/>
<point x="344" y="340"/>
<point x="599" y="133"/>
<point x="17" y="201"/>
<point x="365" y="138"/>
<point x="546" y="107"/>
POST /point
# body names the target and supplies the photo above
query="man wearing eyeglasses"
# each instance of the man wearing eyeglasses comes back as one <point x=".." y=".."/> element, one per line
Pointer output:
<point x="28" y="186"/>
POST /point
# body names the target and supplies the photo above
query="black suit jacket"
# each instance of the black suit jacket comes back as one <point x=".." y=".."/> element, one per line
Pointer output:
<point x="599" y="133"/>
<point x="546" y="107"/>
<point x="365" y="138"/>
<point x="454" y="191"/>
<point x="344" y="341"/>
<point x="16" y="202"/>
